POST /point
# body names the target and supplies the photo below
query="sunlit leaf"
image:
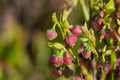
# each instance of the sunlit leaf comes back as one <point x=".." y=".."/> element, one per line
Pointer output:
<point x="104" y="48"/>
<point x="113" y="64"/>
<point x="118" y="30"/>
<point x="65" y="15"/>
<point x="118" y="21"/>
<point x="88" y="34"/>
<point x="113" y="59"/>
<point x="107" y="20"/>
<point x="54" y="18"/>
<point x="62" y="78"/>
<point x="59" y="53"/>
<point x="89" y="46"/>
<point x="55" y="45"/>
<point x="83" y="39"/>
<point x="72" y="67"/>
<point x="110" y="7"/>
<point x="66" y="24"/>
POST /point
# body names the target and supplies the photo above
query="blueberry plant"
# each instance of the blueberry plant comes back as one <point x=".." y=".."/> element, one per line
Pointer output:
<point x="90" y="51"/>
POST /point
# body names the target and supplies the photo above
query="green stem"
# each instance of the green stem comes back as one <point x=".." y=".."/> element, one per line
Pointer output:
<point x="71" y="52"/>
<point x="113" y="64"/>
<point x="86" y="73"/>
<point x="103" y="77"/>
<point x="61" y="30"/>
<point x="85" y="9"/>
<point x="74" y="57"/>
<point x="112" y="75"/>
<point x="90" y="12"/>
<point x="53" y="28"/>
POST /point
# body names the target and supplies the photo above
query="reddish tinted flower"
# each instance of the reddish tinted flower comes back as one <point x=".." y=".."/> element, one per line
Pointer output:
<point x="96" y="26"/>
<point x="112" y="33"/>
<point x="106" y="68"/>
<point x="71" y="40"/>
<point x="51" y="34"/>
<point x="57" y="73"/>
<point x="100" y="19"/>
<point x="86" y="54"/>
<point x="67" y="72"/>
<point x="57" y="61"/>
<point x="118" y="62"/>
<point x="98" y="64"/>
<point x="108" y="34"/>
<point x="115" y="35"/>
<point x="102" y="13"/>
<point x="68" y="60"/>
<point x="77" y="30"/>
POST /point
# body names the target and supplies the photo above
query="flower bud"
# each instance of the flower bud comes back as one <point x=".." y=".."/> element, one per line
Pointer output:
<point x="51" y="34"/>
<point x="98" y="64"/>
<point x="118" y="62"/>
<point x="68" y="60"/>
<point x="77" y="30"/>
<point x="108" y="34"/>
<point x="102" y="13"/>
<point x="106" y="68"/>
<point x="96" y="26"/>
<point x="100" y="19"/>
<point x="57" y="61"/>
<point x="57" y="73"/>
<point x="112" y="33"/>
<point x="115" y="36"/>
<point x="102" y="34"/>
<point x="86" y="54"/>
<point x="71" y="40"/>
<point x="67" y="72"/>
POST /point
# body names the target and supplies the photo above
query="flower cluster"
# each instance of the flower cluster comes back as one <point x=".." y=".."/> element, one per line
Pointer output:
<point x="75" y="33"/>
<point x="93" y="47"/>
<point x="65" y="60"/>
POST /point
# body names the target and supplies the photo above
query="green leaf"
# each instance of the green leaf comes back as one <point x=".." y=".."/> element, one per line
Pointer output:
<point x="66" y="24"/>
<point x="89" y="46"/>
<point x="107" y="20"/>
<point x="118" y="21"/>
<point x="63" y="19"/>
<point x="113" y="59"/>
<point x="83" y="39"/>
<point x="54" y="18"/>
<point x="62" y="78"/>
<point x="87" y="74"/>
<point x="90" y="36"/>
<point x="104" y="48"/>
<point x="72" y="67"/>
<point x="65" y="15"/>
<point x="110" y="41"/>
<point x="55" y="45"/>
<point x="59" y="53"/>
<point x="108" y="52"/>
<point x="58" y="45"/>
<point x="118" y="30"/>
<point x="110" y="7"/>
